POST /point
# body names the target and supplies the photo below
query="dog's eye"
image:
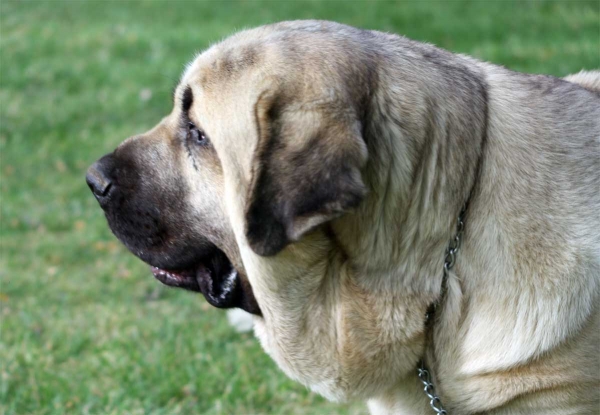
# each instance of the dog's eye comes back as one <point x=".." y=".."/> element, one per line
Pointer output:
<point x="196" y="135"/>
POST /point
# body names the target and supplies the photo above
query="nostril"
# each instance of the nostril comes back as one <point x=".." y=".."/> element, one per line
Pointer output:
<point x="101" y="190"/>
<point x="97" y="181"/>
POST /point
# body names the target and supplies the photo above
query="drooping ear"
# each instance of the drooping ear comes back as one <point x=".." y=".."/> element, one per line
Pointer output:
<point x="306" y="171"/>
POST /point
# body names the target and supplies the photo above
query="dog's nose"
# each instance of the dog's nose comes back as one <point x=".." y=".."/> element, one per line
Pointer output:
<point x="98" y="180"/>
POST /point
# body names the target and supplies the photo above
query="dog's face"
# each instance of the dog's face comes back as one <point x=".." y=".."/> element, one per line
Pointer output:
<point x="255" y="142"/>
<point x="162" y="193"/>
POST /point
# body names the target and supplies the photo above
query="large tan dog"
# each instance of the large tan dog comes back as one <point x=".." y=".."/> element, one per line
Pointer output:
<point x="312" y="174"/>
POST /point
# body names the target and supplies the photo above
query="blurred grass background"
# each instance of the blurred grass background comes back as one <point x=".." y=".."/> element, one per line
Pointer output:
<point x="85" y="329"/>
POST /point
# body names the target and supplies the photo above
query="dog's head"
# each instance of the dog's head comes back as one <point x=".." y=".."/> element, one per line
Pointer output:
<point x="162" y="194"/>
<point x="256" y="142"/>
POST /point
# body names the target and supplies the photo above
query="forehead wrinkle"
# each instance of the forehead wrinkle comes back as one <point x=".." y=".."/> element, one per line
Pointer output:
<point x="223" y="63"/>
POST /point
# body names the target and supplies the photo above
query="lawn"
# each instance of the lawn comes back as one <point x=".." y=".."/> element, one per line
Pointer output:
<point x="85" y="329"/>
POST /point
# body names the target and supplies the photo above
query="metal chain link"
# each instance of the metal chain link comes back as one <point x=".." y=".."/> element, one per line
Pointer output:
<point x="449" y="260"/>
<point x="434" y="401"/>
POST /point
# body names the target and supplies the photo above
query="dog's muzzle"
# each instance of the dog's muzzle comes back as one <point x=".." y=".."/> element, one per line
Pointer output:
<point x="152" y="221"/>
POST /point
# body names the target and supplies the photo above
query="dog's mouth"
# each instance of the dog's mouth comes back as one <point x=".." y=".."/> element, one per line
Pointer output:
<point x="216" y="278"/>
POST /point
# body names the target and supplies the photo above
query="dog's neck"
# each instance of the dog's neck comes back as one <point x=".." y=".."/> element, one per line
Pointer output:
<point x="416" y="198"/>
<point x="422" y="169"/>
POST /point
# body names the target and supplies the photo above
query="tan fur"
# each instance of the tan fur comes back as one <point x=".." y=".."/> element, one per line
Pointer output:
<point x="411" y="132"/>
<point x="588" y="79"/>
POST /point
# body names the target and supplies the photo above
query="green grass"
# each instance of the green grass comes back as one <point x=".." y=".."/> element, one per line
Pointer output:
<point x="84" y="326"/>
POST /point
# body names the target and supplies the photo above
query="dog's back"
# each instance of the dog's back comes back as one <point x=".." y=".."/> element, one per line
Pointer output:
<point x="587" y="79"/>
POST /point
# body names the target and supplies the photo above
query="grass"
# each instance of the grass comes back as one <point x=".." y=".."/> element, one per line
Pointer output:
<point x="84" y="327"/>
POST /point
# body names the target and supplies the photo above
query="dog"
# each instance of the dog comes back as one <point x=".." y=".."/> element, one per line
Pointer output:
<point x="322" y="177"/>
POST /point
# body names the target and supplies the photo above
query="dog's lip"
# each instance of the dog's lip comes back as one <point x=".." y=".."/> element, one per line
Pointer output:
<point x="214" y="276"/>
<point x="181" y="278"/>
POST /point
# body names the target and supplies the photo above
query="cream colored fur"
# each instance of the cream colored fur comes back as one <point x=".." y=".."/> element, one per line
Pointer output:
<point x="344" y="306"/>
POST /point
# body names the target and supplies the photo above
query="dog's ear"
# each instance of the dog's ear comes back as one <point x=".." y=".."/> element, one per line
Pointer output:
<point x="306" y="171"/>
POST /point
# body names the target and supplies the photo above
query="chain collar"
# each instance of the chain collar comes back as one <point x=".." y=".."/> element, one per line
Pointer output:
<point x="434" y="400"/>
<point x="449" y="260"/>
